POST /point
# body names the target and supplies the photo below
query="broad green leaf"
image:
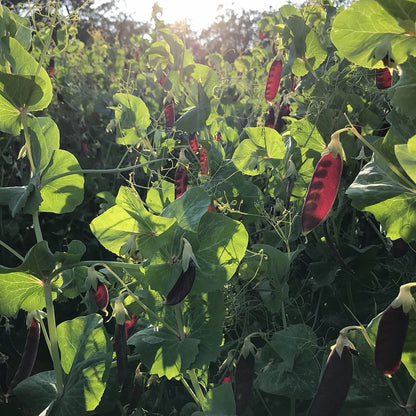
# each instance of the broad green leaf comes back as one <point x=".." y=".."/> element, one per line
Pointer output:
<point x="195" y="118"/>
<point x="159" y="54"/>
<point x="206" y="77"/>
<point x="37" y="392"/>
<point x="20" y="197"/>
<point x="76" y="249"/>
<point x="25" y="86"/>
<point x="44" y="141"/>
<point x="132" y="117"/>
<point x="403" y="92"/>
<point x="20" y="290"/>
<point x="409" y="349"/>
<point x="189" y="208"/>
<point x="86" y="354"/>
<point x="406" y="155"/>
<point x="376" y="190"/>
<point x="39" y="261"/>
<point x="314" y="56"/>
<point x="64" y="194"/>
<point x="163" y="352"/>
<point x="255" y="154"/>
<point x="222" y="245"/>
<point x="10" y="121"/>
<point x="16" y="26"/>
<point x="219" y="401"/>
<point x="289" y="365"/>
<point x="129" y="217"/>
<point x="160" y="195"/>
<point x="204" y="316"/>
<point x="307" y="135"/>
<point x="370" y="30"/>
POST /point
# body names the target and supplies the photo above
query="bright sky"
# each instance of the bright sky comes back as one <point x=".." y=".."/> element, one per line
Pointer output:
<point x="200" y="14"/>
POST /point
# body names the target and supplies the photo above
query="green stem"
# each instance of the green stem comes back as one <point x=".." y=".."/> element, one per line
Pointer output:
<point x="196" y="386"/>
<point x="45" y="334"/>
<point x="49" y="38"/>
<point x="139" y="302"/>
<point x="190" y="391"/>
<point x="284" y="315"/>
<point x="14" y="252"/>
<point x="411" y="400"/>
<point x="47" y="288"/>
<point x="292" y="407"/>
<point x="100" y="171"/>
<point x="36" y="226"/>
<point x="179" y="320"/>
<point x="27" y="141"/>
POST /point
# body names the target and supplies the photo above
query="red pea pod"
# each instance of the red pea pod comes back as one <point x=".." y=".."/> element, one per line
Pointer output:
<point x="130" y="326"/>
<point x="182" y="286"/>
<point x="335" y="382"/>
<point x="181" y="176"/>
<point x="169" y="114"/>
<point x="51" y="68"/>
<point x="324" y="184"/>
<point x="29" y="355"/>
<point x="101" y="296"/>
<point x="193" y="142"/>
<point x="273" y="80"/>
<point x="383" y="78"/>
<point x="203" y="158"/>
<point x="392" y="331"/>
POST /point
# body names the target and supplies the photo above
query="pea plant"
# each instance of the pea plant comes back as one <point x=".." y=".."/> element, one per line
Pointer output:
<point x="185" y="238"/>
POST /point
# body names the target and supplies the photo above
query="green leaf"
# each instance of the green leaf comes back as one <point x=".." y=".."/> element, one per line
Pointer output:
<point x="64" y="194"/>
<point x="195" y="118"/>
<point x="25" y="86"/>
<point x="222" y="245"/>
<point x="255" y="154"/>
<point x="369" y="30"/>
<point x="307" y="135"/>
<point x="20" y="290"/>
<point x="114" y="227"/>
<point x="160" y="195"/>
<point x="17" y="197"/>
<point x="16" y="26"/>
<point x="403" y="92"/>
<point x="163" y="352"/>
<point x="38" y="391"/>
<point x="132" y="117"/>
<point x="409" y="349"/>
<point x="314" y="56"/>
<point x="406" y="155"/>
<point x="189" y="208"/>
<point x="289" y="365"/>
<point x="204" y="316"/>
<point x="377" y="190"/>
<point x="10" y="121"/>
<point x="86" y="354"/>
<point x="219" y="401"/>
<point x="38" y="261"/>
<point x="76" y="249"/>
<point x="44" y="141"/>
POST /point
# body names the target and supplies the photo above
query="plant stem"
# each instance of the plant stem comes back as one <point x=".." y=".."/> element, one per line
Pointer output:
<point x="101" y="171"/>
<point x="179" y="320"/>
<point x="190" y="391"/>
<point x="196" y="386"/>
<point x="27" y="141"/>
<point x="36" y="226"/>
<point x="47" y="288"/>
<point x="14" y="252"/>
<point x="411" y="400"/>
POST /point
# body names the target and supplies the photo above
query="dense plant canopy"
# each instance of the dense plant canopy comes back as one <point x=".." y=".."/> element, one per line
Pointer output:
<point x="194" y="223"/>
